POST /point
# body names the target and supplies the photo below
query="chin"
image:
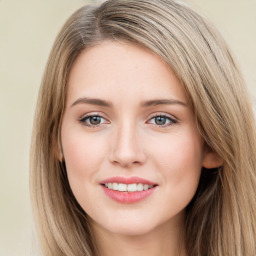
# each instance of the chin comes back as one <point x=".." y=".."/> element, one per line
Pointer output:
<point x="129" y="225"/>
<point x="128" y="229"/>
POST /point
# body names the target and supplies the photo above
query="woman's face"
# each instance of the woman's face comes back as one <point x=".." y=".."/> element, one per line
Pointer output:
<point x="132" y="149"/>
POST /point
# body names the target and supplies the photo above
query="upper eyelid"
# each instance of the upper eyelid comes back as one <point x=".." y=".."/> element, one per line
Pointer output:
<point x="93" y="114"/>
<point x="104" y="116"/>
<point x="164" y="115"/>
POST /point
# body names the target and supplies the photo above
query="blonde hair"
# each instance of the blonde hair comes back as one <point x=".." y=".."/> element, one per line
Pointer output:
<point x="221" y="218"/>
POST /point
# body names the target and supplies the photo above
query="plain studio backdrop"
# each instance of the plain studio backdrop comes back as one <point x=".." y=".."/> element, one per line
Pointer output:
<point x="27" y="31"/>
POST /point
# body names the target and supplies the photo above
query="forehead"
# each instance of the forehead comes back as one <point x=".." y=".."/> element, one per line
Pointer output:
<point x="116" y="70"/>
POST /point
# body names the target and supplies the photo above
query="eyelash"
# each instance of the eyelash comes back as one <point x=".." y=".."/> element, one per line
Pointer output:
<point x="84" y="119"/>
<point x="171" y="120"/>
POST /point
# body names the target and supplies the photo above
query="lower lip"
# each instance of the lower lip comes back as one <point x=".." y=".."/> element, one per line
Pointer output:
<point x="128" y="197"/>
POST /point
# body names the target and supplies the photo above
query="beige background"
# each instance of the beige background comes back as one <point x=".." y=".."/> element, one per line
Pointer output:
<point x="27" y="31"/>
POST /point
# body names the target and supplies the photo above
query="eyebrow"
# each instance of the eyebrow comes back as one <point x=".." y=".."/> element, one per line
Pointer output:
<point x="157" y="102"/>
<point x="93" y="101"/>
<point x="144" y="104"/>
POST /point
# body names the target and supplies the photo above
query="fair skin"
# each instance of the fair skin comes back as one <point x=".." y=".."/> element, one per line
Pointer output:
<point x="140" y="125"/>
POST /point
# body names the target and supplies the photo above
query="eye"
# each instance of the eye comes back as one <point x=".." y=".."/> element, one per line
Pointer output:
<point x="162" y="120"/>
<point x="93" y="120"/>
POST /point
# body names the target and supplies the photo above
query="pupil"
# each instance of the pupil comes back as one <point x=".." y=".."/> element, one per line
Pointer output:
<point x="95" y="120"/>
<point x="160" y="120"/>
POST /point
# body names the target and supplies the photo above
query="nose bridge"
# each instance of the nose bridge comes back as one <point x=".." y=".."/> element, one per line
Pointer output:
<point x="127" y="148"/>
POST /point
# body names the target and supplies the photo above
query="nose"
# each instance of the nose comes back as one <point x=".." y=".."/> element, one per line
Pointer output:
<point x="127" y="148"/>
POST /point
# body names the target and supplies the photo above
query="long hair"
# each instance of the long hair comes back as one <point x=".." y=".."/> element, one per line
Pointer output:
<point x="221" y="218"/>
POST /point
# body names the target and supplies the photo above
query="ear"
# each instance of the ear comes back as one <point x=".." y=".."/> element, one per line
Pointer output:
<point x="211" y="159"/>
<point x="57" y="150"/>
<point x="59" y="155"/>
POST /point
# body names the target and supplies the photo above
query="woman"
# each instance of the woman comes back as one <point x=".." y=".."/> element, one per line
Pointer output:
<point x="144" y="137"/>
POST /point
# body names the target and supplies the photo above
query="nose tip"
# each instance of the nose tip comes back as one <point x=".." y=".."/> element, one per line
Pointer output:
<point x="127" y="150"/>
<point x="126" y="160"/>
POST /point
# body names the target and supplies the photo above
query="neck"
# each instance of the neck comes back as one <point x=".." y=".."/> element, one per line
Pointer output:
<point x="165" y="240"/>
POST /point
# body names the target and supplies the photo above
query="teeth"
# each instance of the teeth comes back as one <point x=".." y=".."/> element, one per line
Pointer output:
<point x="145" y="187"/>
<point x="132" y="187"/>
<point x="139" y="187"/>
<point x="128" y="187"/>
<point x="115" y="186"/>
<point x="122" y="187"/>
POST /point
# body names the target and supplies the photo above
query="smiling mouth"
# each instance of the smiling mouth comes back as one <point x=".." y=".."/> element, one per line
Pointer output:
<point x="128" y="190"/>
<point x="134" y="187"/>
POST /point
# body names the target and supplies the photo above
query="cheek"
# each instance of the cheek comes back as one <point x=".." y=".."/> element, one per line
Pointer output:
<point x="82" y="152"/>
<point x="178" y="151"/>
<point x="84" y="156"/>
<point x="179" y="161"/>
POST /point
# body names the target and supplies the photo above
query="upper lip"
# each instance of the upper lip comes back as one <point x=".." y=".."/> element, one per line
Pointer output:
<point x="127" y="180"/>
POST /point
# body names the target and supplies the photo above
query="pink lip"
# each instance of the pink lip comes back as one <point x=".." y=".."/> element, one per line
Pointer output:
<point x="127" y="197"/>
